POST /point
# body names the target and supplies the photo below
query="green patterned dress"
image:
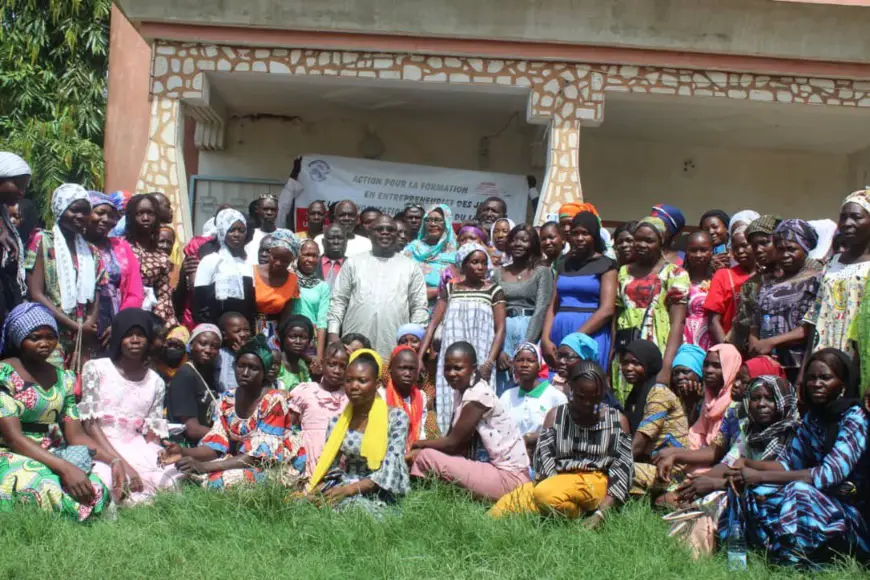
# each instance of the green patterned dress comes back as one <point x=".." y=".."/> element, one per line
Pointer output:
<point x="23" y="480"/>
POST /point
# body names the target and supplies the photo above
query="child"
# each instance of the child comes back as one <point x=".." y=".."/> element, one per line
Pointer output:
<point x="296" y="333"/>
<point x="236" y="332"/>
<point x="355" y="341"/>
<point x="499" y="233"/>
<point x="473" y="311"/>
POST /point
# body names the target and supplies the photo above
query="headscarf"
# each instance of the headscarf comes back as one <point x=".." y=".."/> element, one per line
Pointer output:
<point x="772" y="442"/>
<point x="713" y="410"/>
<point x="511" y="225"/>
<point x="657" y="224"/>
<point x="763" y="225"/>
<point x="209" y="229"/>
<point x="543" y="369"/>
<point x="11" y="165"/>
<point x="202" y="329"/>
<point x="435" y="258"/>
<point x="120" y="199"/>
<point x="259" y="347"/>
<point x="717" y="213"/>
<point x="125" y="321"/>
<point x="650" y="357"/>
<point x="571" y="209"/>
<point x="97" y="199"/>
<point x="671" y="216"/>
<point x="467" y="249"/>
<point x="584" y="345"/>
<point x="374" y="440"/>
<point x="860" y="197"/>
<point x="77" y="282"/>
<point x="799" y="232"/>
<point x="745" y="217"/>
<point x="764" y="366"/>
<point x="826" y="229"/>
<point x="415" y="410"/>
<point x="690" y="356"/>
<point x="834" y="410"/>
<point x="482" y="235"/>
<point x="24" y="319"/>
<point x="180" y="334"/>
<point x="373" y="353"/>
<point x="229" y="271"/>
<point x="417" y="330"/>
<point x="282" y="238"/>
<point x="589" y="221"/>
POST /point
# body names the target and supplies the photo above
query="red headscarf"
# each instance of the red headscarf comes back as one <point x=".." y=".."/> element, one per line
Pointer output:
<point x="415" y="411"/>
<point x="573" y="208"/>
<point x="764" y="365"/>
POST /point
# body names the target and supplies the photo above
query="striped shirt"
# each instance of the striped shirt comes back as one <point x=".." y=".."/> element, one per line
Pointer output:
<point x="567" y="447"/>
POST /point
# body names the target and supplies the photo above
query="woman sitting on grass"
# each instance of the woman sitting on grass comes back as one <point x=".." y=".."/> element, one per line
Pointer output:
<point x="721" y="366"/>
<point x="363" y="463"/>
<point x="686" y="379"/>
<point x="583" y="462"/>
<point x="191" y="392"/>
<point x="296" y="333"/>
<point x="500" y="462"/>
<point x="315" y="404"/>
<point x="252" y="431"/>
<point x="403" y="391"/>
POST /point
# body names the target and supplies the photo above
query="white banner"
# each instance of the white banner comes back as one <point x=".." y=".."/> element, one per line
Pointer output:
<point x="390" y="187"/>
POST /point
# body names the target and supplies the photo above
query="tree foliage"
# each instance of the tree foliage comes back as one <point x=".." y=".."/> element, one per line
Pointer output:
<point x="53" y="67"/>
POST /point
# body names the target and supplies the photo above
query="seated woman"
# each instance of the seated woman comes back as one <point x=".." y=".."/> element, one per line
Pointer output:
<point x="721" y="366"/>
<point x="45" y="455"/>
<point x="295" y="333"/>
<point x="315" y="404"/>
<point x="252" y="431"/>
<point x="531" y="400"/>
<point x="500" y="462"/>
<point x="173" y="354"/>
<point x="764" y="435"/>
<point x="122" y="407"/>
<point x="362" y="462"/>
<point x="809" y="506"/>
<point x="412" y="335"/>
<point x="403" y="391"/>
<point x="191" y="395"/>
<point x="583" y="461"/>
<point x="686" y="380"/>
<point x="655" y="416"/>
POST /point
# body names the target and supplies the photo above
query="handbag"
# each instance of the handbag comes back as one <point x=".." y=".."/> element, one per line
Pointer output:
<point x="625" y="336"/>
<point x="81" y="456"/>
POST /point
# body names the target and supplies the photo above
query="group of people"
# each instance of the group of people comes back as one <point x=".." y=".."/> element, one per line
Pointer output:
<point x="717" y="371"/>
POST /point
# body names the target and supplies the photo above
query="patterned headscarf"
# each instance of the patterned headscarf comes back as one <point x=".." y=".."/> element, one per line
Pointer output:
<point x="467" y="249"/>
<point x="24" y="319"/>
<point x="180" y="334"/>
<point x="440" y="255"/>
<point x="657" y="224"/>
<point x="259" y="347"/>
<point x="120" y="199"/>
<point x="98" y="198"/>
<point x="671" y="216"/>
<point x="799" y="232"/>
<point x="11" y="165"/>
<point x="766" y="224"/>
<point x="773" y="441"/>
<point x="543" y="368"/>
<point x="78" y="282"/>
<point x="229" y="272"/>
<point x="282" y="238"/>
<point x="860" y="197"/>
<point x="209" y="230"/>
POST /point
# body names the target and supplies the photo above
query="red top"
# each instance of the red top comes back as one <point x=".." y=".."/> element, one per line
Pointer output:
<point x="724" y="292"/>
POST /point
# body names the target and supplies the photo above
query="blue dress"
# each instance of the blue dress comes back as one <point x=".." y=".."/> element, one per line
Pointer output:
<point x="801" y="523"/>
<point x="578" y="289"/>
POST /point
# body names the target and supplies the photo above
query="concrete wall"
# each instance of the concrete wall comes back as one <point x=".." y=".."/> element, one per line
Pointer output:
<point x="736" y="27"/>
<point x="625" y="178"/>
<point x="128" y="109"/>
<point x="859" y="169"/>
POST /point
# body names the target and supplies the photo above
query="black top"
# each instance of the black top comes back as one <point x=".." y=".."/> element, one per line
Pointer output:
<point x="207" y="308"/>
<point x="596" y="266"/>
<point x="188" y="396"/>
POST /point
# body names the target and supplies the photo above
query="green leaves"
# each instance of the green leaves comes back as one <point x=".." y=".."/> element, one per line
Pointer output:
<point x="53" y="68"/>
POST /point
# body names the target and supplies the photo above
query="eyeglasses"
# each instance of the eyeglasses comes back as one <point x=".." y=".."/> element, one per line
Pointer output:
<point x="566" y="357"/>
<point x="435" y="220"/>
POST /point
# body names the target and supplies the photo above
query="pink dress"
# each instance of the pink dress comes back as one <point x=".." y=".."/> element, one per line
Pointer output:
<point x="695" y="331"/>
<point x="127" y="410"/>
<point x="315" y="407"/>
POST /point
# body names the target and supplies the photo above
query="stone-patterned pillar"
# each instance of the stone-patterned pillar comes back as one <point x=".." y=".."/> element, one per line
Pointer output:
<point x="163" y="167"/>
<point x="562" y="179"/>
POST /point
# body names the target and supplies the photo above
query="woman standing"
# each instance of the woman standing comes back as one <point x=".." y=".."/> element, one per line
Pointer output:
<point x="552" y="244"/>
<point x="715" y="222"/>
<point x="651" y="299"/>
<point x="314" y="293"/>
<point x="275" y="286"/>
<point x="123" y="287"/>
<point x="45" y="456"/>
<point x="122" y="407"/>
<point x="585" y="296"/>
<point x="473" y="311"/>
<point x="498" y="235"/>
<point x="143" y="226"/>
<point x="759" y="234"/>
<point x="699" y="255"/>
<point x="623" y="243"/>
<point x="14" y="179"/>
<point x="784" y="299"/>
<point x="64" y="271"/>
<point x="722" y="300"/>
<point x="191" y="393"/>
<point x="434" y="248"/>
<point x="528" y="288"/>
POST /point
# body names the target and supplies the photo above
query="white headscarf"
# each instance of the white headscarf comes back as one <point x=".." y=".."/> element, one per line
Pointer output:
<point x="209" y="230"/>
<point x="11" y="165"/>
<point x="77" y="285"/>
<point x="826" y="229"/>
<point x="746" y="217"/>
<point x="229" y="270"/>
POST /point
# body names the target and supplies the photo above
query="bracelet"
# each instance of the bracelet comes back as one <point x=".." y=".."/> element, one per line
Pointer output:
<point x="114" y="461"/>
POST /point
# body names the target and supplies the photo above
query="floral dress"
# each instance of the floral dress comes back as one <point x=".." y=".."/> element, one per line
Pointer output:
<point x="695" y="331"/>
<point x="267" y="435"/>
<point x="156" y="270"/>
<point x="40" y="411"/>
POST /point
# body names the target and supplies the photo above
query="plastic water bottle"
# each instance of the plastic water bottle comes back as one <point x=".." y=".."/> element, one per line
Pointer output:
<point x="736" y="546"/>
<point x="766" y="327"/>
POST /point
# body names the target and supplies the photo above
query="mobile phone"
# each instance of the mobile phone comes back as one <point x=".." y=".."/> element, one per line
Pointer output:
<point x="720" y="249"/>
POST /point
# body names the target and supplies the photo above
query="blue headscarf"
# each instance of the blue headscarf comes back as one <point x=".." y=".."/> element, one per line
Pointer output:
<point x="433" y="259"/>
<point x="585" y="346"/>
<point x="97" y="198"/>
<point x="692" y="357"/>
<point x="417" y="330"/>
<point x="672" y="217"/>
<point x="24" y="319"/>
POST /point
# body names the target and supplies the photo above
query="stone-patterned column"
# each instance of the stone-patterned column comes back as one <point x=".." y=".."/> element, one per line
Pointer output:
<point x="562" y="179"/>
<point x="163" y="167"/>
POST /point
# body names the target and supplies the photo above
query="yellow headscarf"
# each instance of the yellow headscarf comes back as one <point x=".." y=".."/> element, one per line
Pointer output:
<point x="374" y="441"/>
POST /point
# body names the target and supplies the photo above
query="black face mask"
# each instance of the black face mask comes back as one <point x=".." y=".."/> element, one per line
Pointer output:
<point x="173" y="355"/>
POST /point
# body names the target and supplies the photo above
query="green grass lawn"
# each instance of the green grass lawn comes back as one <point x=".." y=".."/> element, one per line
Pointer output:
<point x="438" y="533"/>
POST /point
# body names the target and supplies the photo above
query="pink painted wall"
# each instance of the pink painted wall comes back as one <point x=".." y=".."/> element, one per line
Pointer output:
<point x="128" y="109"/>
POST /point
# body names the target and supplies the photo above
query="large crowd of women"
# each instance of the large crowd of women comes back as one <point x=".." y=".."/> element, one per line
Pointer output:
<point x="719" y="372"/>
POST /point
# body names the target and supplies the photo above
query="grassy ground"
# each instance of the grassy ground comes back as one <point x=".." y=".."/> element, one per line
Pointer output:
<point x="438" y="534"/>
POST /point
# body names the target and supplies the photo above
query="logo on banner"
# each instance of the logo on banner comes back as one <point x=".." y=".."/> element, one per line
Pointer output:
<point x="489" y="189"/>
<point x="319" y="169"/>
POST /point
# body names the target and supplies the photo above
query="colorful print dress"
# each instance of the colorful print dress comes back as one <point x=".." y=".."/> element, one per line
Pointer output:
<point x="696" y="331"/>
<point x="267" y="435"/>
<point x="156" y="271"/>
<point x="24" y="480"/>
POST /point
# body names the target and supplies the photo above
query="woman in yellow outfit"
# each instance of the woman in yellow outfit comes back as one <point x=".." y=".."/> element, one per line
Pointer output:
<point x="583" y="461"/>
